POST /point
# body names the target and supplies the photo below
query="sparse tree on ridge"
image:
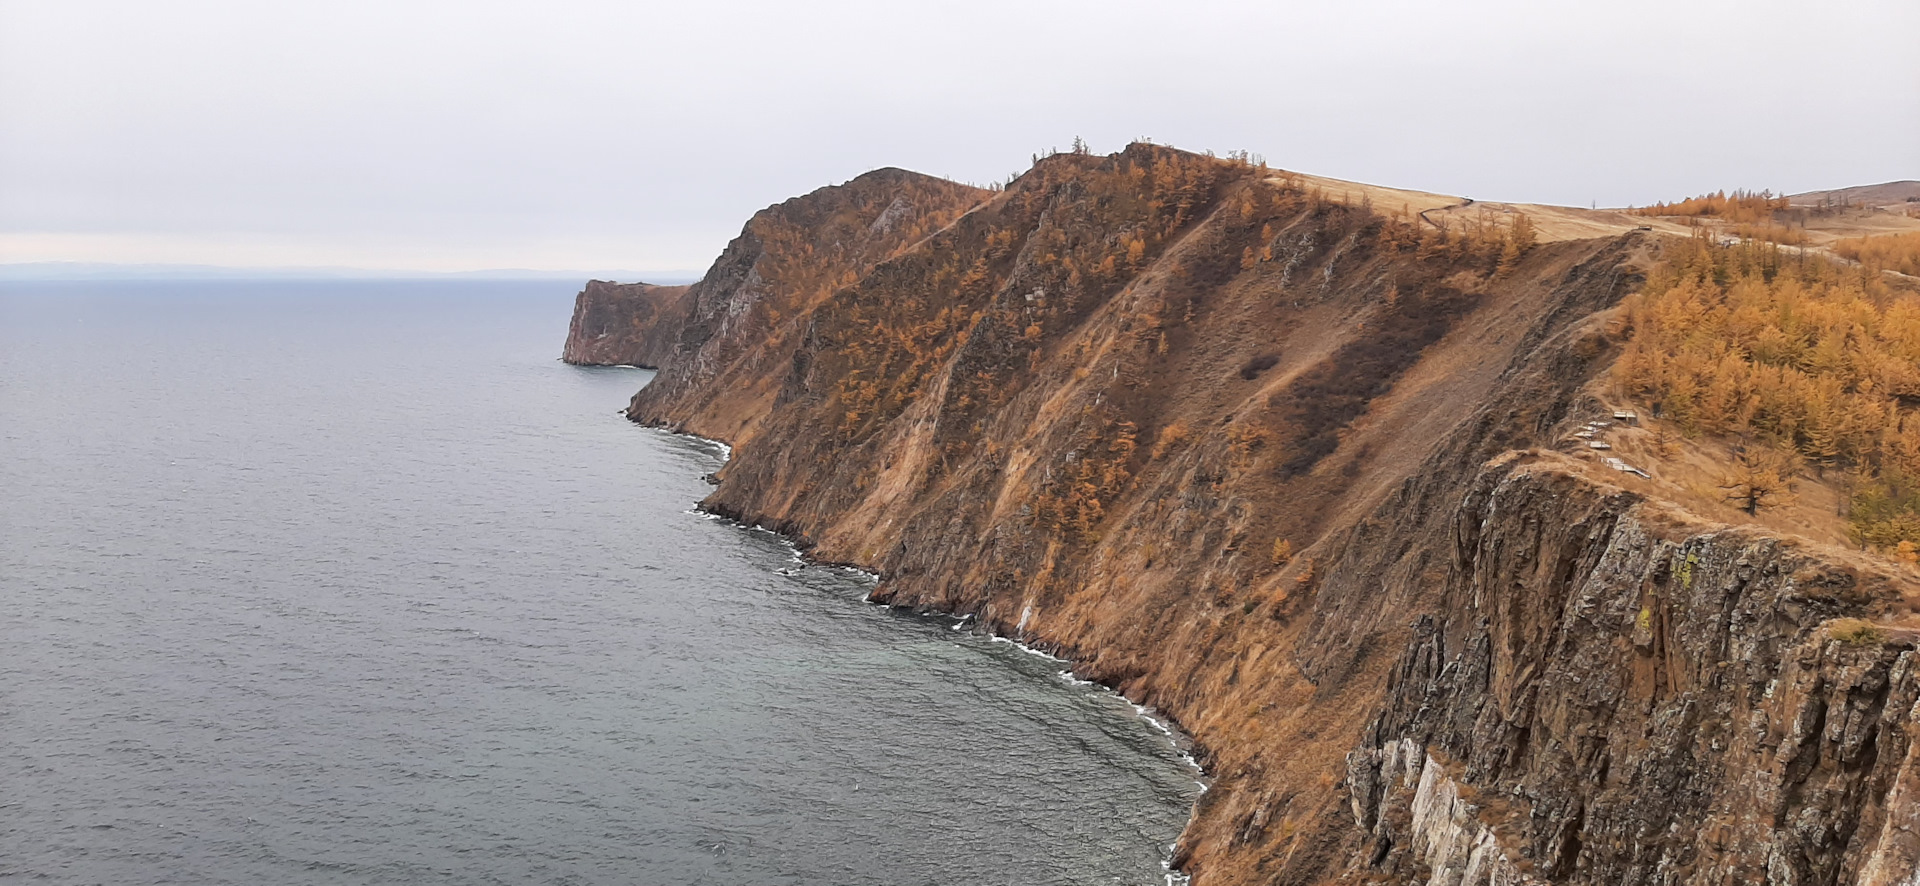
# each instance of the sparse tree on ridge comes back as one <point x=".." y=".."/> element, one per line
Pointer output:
<point x="1759" y="477"/>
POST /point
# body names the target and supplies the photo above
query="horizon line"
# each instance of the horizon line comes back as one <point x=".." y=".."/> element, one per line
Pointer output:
<point x="82" y="270"/>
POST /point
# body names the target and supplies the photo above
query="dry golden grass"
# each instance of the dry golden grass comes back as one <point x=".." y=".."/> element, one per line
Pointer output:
<point x="1553" y="223"/>
<point x="1813" y="228"/>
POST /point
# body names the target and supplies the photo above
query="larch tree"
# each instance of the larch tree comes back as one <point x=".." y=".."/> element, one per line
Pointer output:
<point x="1759" y="477"/>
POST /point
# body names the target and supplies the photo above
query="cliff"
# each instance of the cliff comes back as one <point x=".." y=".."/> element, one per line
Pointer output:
<point x="1615" y="692"/>
<point x="725" y="337"/>
<point x="631" y="324"/>
<point x="1284" y="467"/>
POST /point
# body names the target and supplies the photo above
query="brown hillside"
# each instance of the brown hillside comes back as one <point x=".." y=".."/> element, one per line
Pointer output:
<point x="1278" y="458"/>
<point x="1887" y="195"/>
<point x="744" y="319"/>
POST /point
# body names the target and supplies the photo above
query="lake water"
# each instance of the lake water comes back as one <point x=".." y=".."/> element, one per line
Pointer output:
<point x="354" y="583"/>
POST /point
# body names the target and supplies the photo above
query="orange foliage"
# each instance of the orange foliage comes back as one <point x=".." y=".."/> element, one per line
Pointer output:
<point x="1772" y="233"/>
<point x="1798" y="353"/>
<point x="1170" y="438"/>
<point x="1740" y="207"/>
<point x="1073" y="501"/>
<point x="1887" y="252"/>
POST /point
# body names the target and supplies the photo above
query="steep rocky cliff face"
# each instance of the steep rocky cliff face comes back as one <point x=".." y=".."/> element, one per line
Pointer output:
<point x="1614" y="692"/>
<point x="1281" y="466"/>
<point x="746" y="317"/>
<point x="631" y="324"/>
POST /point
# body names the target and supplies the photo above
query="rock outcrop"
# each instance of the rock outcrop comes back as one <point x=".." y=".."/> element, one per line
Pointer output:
<point x="625" y="324"/>
<point x="1280" y="465"/>
<point x="1613" y="692"/>
<point x="750" y="313"/>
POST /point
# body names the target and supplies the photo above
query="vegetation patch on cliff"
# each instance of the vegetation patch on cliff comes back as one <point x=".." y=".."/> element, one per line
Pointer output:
<point x="1793" y="353"/>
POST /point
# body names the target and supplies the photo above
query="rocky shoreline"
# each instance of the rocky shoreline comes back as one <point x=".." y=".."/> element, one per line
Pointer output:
<point x="1283" y="468"/>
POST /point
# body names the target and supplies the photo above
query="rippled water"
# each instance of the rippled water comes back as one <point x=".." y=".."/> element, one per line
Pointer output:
<point x="354" y="583"/>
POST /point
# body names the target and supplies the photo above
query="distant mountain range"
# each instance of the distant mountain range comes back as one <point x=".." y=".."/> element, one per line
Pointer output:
<point x="47" y="271"/>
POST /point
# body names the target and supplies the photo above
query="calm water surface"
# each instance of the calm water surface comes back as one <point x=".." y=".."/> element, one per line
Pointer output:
<point x="353" y="583"/>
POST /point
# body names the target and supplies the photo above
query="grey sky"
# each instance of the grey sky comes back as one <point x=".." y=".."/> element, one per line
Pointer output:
<point x="450" y="135"/>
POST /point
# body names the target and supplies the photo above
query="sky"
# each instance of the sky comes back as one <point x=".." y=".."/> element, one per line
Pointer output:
<point x="434" y="135"/>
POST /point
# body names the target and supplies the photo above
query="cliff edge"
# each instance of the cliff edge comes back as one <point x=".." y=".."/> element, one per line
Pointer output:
<point x="630" y="324"/>
<point x="1295" y="471"/>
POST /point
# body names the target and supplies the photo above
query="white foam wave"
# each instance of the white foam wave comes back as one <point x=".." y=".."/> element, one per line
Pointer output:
<point x="721" y="449"/>
<point x="1176" y="740"/>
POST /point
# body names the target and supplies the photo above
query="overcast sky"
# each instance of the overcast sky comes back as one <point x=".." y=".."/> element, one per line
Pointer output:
<point x="641" y="135"/>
